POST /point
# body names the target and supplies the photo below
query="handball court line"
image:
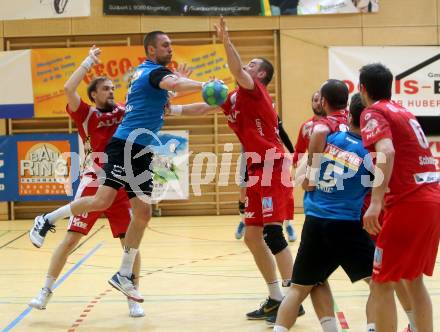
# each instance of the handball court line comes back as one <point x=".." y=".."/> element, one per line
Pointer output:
<point x="25" y="312"/>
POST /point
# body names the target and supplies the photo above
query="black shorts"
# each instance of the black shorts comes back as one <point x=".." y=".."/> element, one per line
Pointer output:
<point x="327" y="244"/>
<point x="125" y="169"/>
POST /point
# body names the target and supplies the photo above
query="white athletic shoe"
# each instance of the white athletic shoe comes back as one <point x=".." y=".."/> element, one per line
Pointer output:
<point x="291" y="234"/>
<point x="126" y="286"/>
<point x="135" y="309"/>
<point x="42" y="299"/>
<point x="39" y="230"/>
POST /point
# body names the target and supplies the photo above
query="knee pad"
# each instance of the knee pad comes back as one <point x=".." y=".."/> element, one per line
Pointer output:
<point x="274" y="237"/>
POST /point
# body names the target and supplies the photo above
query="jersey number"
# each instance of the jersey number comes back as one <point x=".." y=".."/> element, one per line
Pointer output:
<point x="328" y="178"/>
<point x="421" y="138"/>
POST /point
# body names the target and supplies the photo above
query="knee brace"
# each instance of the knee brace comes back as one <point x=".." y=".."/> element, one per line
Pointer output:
<point x="274" y="237"/>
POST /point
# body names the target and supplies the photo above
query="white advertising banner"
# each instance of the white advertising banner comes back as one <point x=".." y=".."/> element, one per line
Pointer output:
<point x="33" y="9"/>
<point x="311" y="7"/>
<point x="416" y="73"/>
<point x="16" y="96"/>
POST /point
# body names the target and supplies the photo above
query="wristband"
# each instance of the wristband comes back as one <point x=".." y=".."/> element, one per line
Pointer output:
<point x="87" y="63"/>
<point x="176" y="109"/>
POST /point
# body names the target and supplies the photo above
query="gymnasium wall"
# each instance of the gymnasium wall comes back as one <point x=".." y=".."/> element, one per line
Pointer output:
<point x="299" y="49"/>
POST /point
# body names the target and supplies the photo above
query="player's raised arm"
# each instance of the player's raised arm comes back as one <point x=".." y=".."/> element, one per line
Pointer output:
<point x="234" y="61"/>
<point x="73" y="98"/>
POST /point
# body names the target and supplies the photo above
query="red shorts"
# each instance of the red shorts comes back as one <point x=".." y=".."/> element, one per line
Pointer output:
<point x="408" y="242"/>
<point x="118" y="214"/>
<point x="268" y="202"/>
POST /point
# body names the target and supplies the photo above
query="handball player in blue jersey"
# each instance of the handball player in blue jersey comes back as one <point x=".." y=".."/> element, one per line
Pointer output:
<point x="129" y="157"/>
<point x="332" y="235"/>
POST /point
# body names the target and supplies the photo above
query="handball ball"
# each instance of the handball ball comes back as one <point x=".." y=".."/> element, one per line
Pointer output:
<point x="215" y="93"/>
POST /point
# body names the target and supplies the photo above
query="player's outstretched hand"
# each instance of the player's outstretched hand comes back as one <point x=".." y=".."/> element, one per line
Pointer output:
<point x="371" y="219"/>
<point x="222" y="30"/>
<point x="94" y="54"/>
<point x="183" y="71"/>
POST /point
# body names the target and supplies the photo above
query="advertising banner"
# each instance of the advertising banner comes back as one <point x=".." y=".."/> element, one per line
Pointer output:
<point x="32" y="9"/>
<point x="416" y="71"/>
<point x="52" y="67"/>
<point x="237" y="7"/>
<point x="38" y="167"/>
<point x="171" y="166"/>
<point x="16" y="96"/>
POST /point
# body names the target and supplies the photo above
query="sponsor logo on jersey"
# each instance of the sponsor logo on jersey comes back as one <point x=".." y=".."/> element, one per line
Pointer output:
<point x="267" y="205"/>
<point x="249" y="215"/>
<point x="259" y="127"/>
<point x="109" y="122"/>
<point x="346" y="158"/>
<point x="377" y="263"/>
<point x="79" y="224"/>
<point x="371" y="125"/>
<point x="428" y="160"/>
<point x="427" y="177"/>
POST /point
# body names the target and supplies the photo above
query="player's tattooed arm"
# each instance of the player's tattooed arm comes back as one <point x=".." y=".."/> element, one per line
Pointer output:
<point x="71" y="85"/>
<point x="385" y="148"/>
<point x="234" y="61"/>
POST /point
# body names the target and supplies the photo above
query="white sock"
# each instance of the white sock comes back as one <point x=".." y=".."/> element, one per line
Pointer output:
<point x="279" y="328"/>
<point x="410" y="315"/>
<point x="329" y="324"/>
<point x="60" y="213"/>
<point x="128" y="258"/>
<point x="371" y="327"/>
<point x="49" y="282"/>
<point x="275" y="290"/>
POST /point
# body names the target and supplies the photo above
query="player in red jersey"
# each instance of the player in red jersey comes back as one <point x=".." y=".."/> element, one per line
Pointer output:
<point x="269" y="193"/>
<point x="410" y="183"/>
<point x="96" y="125"/>
<point x="334" y="96"/>
<point x="302" y="142"/>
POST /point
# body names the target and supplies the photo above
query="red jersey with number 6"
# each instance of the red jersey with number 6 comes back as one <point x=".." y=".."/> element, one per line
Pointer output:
<point x="415" y="175"/>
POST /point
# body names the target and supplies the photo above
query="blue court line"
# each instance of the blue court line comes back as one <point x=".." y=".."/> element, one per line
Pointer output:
<point x="25" y="312"/>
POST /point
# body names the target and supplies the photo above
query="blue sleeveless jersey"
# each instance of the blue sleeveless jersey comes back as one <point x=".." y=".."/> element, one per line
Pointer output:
<point x="144" y="107"/>
<point x="343" y="179"/>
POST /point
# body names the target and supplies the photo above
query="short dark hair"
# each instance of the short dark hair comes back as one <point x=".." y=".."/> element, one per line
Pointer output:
<point x="336" y="93"/>
<point x="378" y="81"/>
<point x="93" y="86"/>
<point x="266" y="66"/>
<point x="151" y="39"/>
<point x="356" y="108"/>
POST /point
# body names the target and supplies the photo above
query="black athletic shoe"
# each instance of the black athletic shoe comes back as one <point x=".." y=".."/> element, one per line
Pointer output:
<point x="268" y="308"/>
<point x="272" y="319"/>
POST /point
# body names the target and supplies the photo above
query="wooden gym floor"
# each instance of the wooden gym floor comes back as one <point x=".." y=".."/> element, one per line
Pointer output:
<point x="195" y="277"/>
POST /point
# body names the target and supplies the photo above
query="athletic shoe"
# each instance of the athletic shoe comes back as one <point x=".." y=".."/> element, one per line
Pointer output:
<point x="39" y="231"/>
<point x="135" y="309"/>
<point x="272" y="319"/>
<point x="42" y="299"/>
<point x="268" y="308"/>
<point x="126" y="286"/>
<point x="291" y="234"/>
<point x="240" y="230"/>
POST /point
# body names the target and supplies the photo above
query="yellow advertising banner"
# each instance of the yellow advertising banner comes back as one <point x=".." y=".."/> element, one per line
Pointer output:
<point x="42" y="169"/>
<point x="52" y="67"/>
